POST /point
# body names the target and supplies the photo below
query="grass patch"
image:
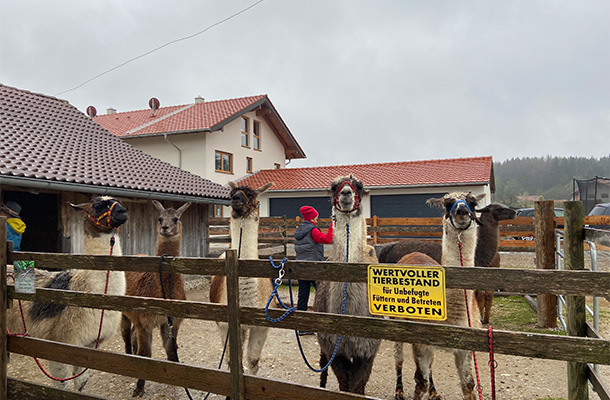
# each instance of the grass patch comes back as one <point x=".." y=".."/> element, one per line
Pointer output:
<point x="515" y="314"/>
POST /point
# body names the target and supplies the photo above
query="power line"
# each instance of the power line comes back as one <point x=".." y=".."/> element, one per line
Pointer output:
<point x="162" y="46"/>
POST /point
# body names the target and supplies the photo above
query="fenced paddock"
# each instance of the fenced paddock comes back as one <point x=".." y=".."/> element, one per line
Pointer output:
<point x="577" y="351"/>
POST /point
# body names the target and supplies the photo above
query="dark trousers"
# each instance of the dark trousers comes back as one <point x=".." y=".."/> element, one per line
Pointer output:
<point x="304" y="288"/>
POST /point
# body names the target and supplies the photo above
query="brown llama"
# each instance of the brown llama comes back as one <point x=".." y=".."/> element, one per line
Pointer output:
<point x="137" y="328"/>
<point x="486" y="254"/>
<point x="353" y="362"/>
<point x="459" y="230"/>
<point x="253" y="292"/>
<point x="76" y="325"/>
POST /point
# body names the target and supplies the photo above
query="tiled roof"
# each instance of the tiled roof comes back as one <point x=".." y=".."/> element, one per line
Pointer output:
<point x="448" y="172"/>
<point x="48" y="139"/>
<point x="196" y="117"/>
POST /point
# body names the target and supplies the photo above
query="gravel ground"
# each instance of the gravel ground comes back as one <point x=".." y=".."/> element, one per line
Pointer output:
<point x="517" y="378"/>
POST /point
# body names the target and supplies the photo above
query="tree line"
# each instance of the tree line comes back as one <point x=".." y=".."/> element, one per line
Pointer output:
<point x="548" y="178"/>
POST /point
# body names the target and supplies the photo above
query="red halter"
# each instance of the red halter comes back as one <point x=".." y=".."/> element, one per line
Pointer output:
<point x="356" y="198"/>
<point x="99" y="221"/>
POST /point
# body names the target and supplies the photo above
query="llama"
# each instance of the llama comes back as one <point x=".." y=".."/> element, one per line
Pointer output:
<point x="353" y="362"/>
<point x="459" y="229"/>
<point x="148" y="284"/>
<point x="74" y="325"/>
<point x="253" y="292"/>
<point x="486" y="254"/>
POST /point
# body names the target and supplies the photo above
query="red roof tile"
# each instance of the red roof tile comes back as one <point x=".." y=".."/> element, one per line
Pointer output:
<point x="46" y="138"/>
<point x="395" y="174"/>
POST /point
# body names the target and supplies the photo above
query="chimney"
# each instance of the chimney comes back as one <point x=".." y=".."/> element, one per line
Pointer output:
<point x="199" y="99"/>
<point x="111" y="110"/>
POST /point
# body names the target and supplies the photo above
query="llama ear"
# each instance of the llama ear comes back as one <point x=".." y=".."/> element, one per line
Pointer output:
<point x="232" y="185"/>
<point x="438" y="203"/>
<point x="480" y="197"/>
<point x="263" y="188"/>
<point x="158" y="206"/>
<point x="81" y="207"/>
<point x="182" y="209"/>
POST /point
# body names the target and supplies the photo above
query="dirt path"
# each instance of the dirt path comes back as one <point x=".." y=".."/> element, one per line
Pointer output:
<point x="517" y="378"/>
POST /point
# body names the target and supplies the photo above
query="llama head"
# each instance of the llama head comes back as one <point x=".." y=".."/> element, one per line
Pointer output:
<point x="459" y="208"/>
<point x="495" y="213"/>
<point x="346" y="193"/>
<point x="244" y="199"/>
<point x="168" y="223"/>
<point x="104" y="212"/>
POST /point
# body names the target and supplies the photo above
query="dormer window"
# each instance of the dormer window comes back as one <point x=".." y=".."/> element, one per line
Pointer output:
<point x="245" y="133"/>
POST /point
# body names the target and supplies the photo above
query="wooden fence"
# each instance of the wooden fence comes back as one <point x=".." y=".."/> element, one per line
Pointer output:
<point x="577" y="351"/>
<point x="515" y="235"/>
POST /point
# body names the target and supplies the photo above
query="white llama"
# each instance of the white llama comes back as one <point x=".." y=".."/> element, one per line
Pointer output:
<point x="75" y="325"/>
<point x="253" y="292"/>
<point x="353" y="362"/>
<point x="148" y="284"/>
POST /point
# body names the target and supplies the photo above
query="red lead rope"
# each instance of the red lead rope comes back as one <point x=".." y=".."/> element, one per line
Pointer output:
<point x="99" y="332"/>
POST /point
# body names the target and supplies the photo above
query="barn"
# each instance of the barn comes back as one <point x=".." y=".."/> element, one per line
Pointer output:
<point x="396" y="189"/>
<point x="51" y="154"/>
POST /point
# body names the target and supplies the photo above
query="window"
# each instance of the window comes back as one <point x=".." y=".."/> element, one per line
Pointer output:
<point x="248" y="164"/>
<point x="224" y="162"/>
<point x="216" y="211"/>
<point x="245" y="134"/>
<point x="256" y="132"/>
<point x="277" y="166"/>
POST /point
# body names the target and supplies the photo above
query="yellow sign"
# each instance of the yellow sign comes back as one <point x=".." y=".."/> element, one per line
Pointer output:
<point x="407" y="291"/>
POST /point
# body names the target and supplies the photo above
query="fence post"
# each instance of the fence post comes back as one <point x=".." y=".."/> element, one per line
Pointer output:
<point x="578" y="388"/>
<point x="375" y="234"/>
<point x="285" y="233"/>
<point x="3" y="311"/>
<point x="544" y="231"/>
<point x="235" y="359"/>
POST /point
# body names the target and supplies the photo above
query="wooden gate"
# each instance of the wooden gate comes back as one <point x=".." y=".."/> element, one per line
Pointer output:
<point x="577" y="351"/>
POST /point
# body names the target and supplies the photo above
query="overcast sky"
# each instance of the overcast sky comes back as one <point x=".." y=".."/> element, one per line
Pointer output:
<point x="355" y="81"/>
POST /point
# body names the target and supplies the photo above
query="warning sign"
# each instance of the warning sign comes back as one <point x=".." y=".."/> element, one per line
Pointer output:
<point x="407" y="291"/>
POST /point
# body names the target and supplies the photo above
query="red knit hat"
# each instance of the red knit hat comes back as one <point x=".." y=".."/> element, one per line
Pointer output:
<point x="308" y="212"/>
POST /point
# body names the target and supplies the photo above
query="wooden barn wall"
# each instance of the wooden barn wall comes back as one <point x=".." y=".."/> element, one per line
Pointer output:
<point x="139" y="234"/>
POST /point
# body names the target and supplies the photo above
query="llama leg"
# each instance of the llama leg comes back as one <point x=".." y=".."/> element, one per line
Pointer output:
<point x="423" y="356"/>
<point x="480" y="296"/>
<point x="489" y="298"/>
<point x="81" y="381"/>
<point x="324" y="374"/>
<point x="145" y="350"/>
<point x="126" y="333"/>
<point x="361" y="371"/>
<point x="256" y="341"/>
<point x="170" y="345"/>
<point x="463" y="362"/>
<point x="60" y="371"/>
<point x="398" y="361"/>
<point x="342" y="367"/>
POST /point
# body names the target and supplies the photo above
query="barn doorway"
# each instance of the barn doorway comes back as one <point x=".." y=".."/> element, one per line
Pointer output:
<point x="40" y="213"/>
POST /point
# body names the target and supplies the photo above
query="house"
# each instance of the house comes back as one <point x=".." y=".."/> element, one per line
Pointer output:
<point x="396" y="189"/>
<point x="52" y="154"/>
<point x="221" y="140"/>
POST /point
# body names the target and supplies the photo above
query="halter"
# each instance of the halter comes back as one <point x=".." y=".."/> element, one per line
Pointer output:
<point x="99" y="221"/>
<point x="356" y="198"/>
<point x="472" y="215"/>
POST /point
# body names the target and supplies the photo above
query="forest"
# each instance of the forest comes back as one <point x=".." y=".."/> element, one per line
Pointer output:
<point x="548" y="178"/>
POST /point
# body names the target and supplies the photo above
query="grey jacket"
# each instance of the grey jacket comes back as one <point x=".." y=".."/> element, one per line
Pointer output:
<point x="304" y="245"/>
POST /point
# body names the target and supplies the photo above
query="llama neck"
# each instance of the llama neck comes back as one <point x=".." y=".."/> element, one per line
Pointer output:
<point x="349" y="236"/>
<point x="487" y="242"/>
<point x="169" y="245"/>
<point x="98" y="243"/>
<point x="451" y="248"/>
<point x="244" y="236"/>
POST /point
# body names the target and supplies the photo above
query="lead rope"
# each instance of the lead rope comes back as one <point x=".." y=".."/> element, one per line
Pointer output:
<point x="97" y="340"/>
<point x="170" y="320"/>
<point x="474" y="353"/>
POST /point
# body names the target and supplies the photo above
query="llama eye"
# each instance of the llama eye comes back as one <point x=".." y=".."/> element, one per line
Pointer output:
<point x="175" y="220"/>
<point x="160" y="219"/>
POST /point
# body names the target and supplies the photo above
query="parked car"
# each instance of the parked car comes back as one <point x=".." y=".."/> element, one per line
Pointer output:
<point x="529" y="212"/>
<point x="601" y="209"/>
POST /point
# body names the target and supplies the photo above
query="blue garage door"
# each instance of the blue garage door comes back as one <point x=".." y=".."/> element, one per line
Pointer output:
<point x="290" y="206"/>
<point x="405" y="206"/>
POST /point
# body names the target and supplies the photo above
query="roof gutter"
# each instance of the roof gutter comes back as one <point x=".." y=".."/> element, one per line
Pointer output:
<point x="103" y="190"/>
<point x="380" y="187"/>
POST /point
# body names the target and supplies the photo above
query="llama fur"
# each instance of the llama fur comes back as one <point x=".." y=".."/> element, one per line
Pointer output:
<point x="253" y="292"/>
<point x="458" y="227"/>
<point x="137" y="328"/>
<point x="354" y="360"/>
<point x="75" y="325"/>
